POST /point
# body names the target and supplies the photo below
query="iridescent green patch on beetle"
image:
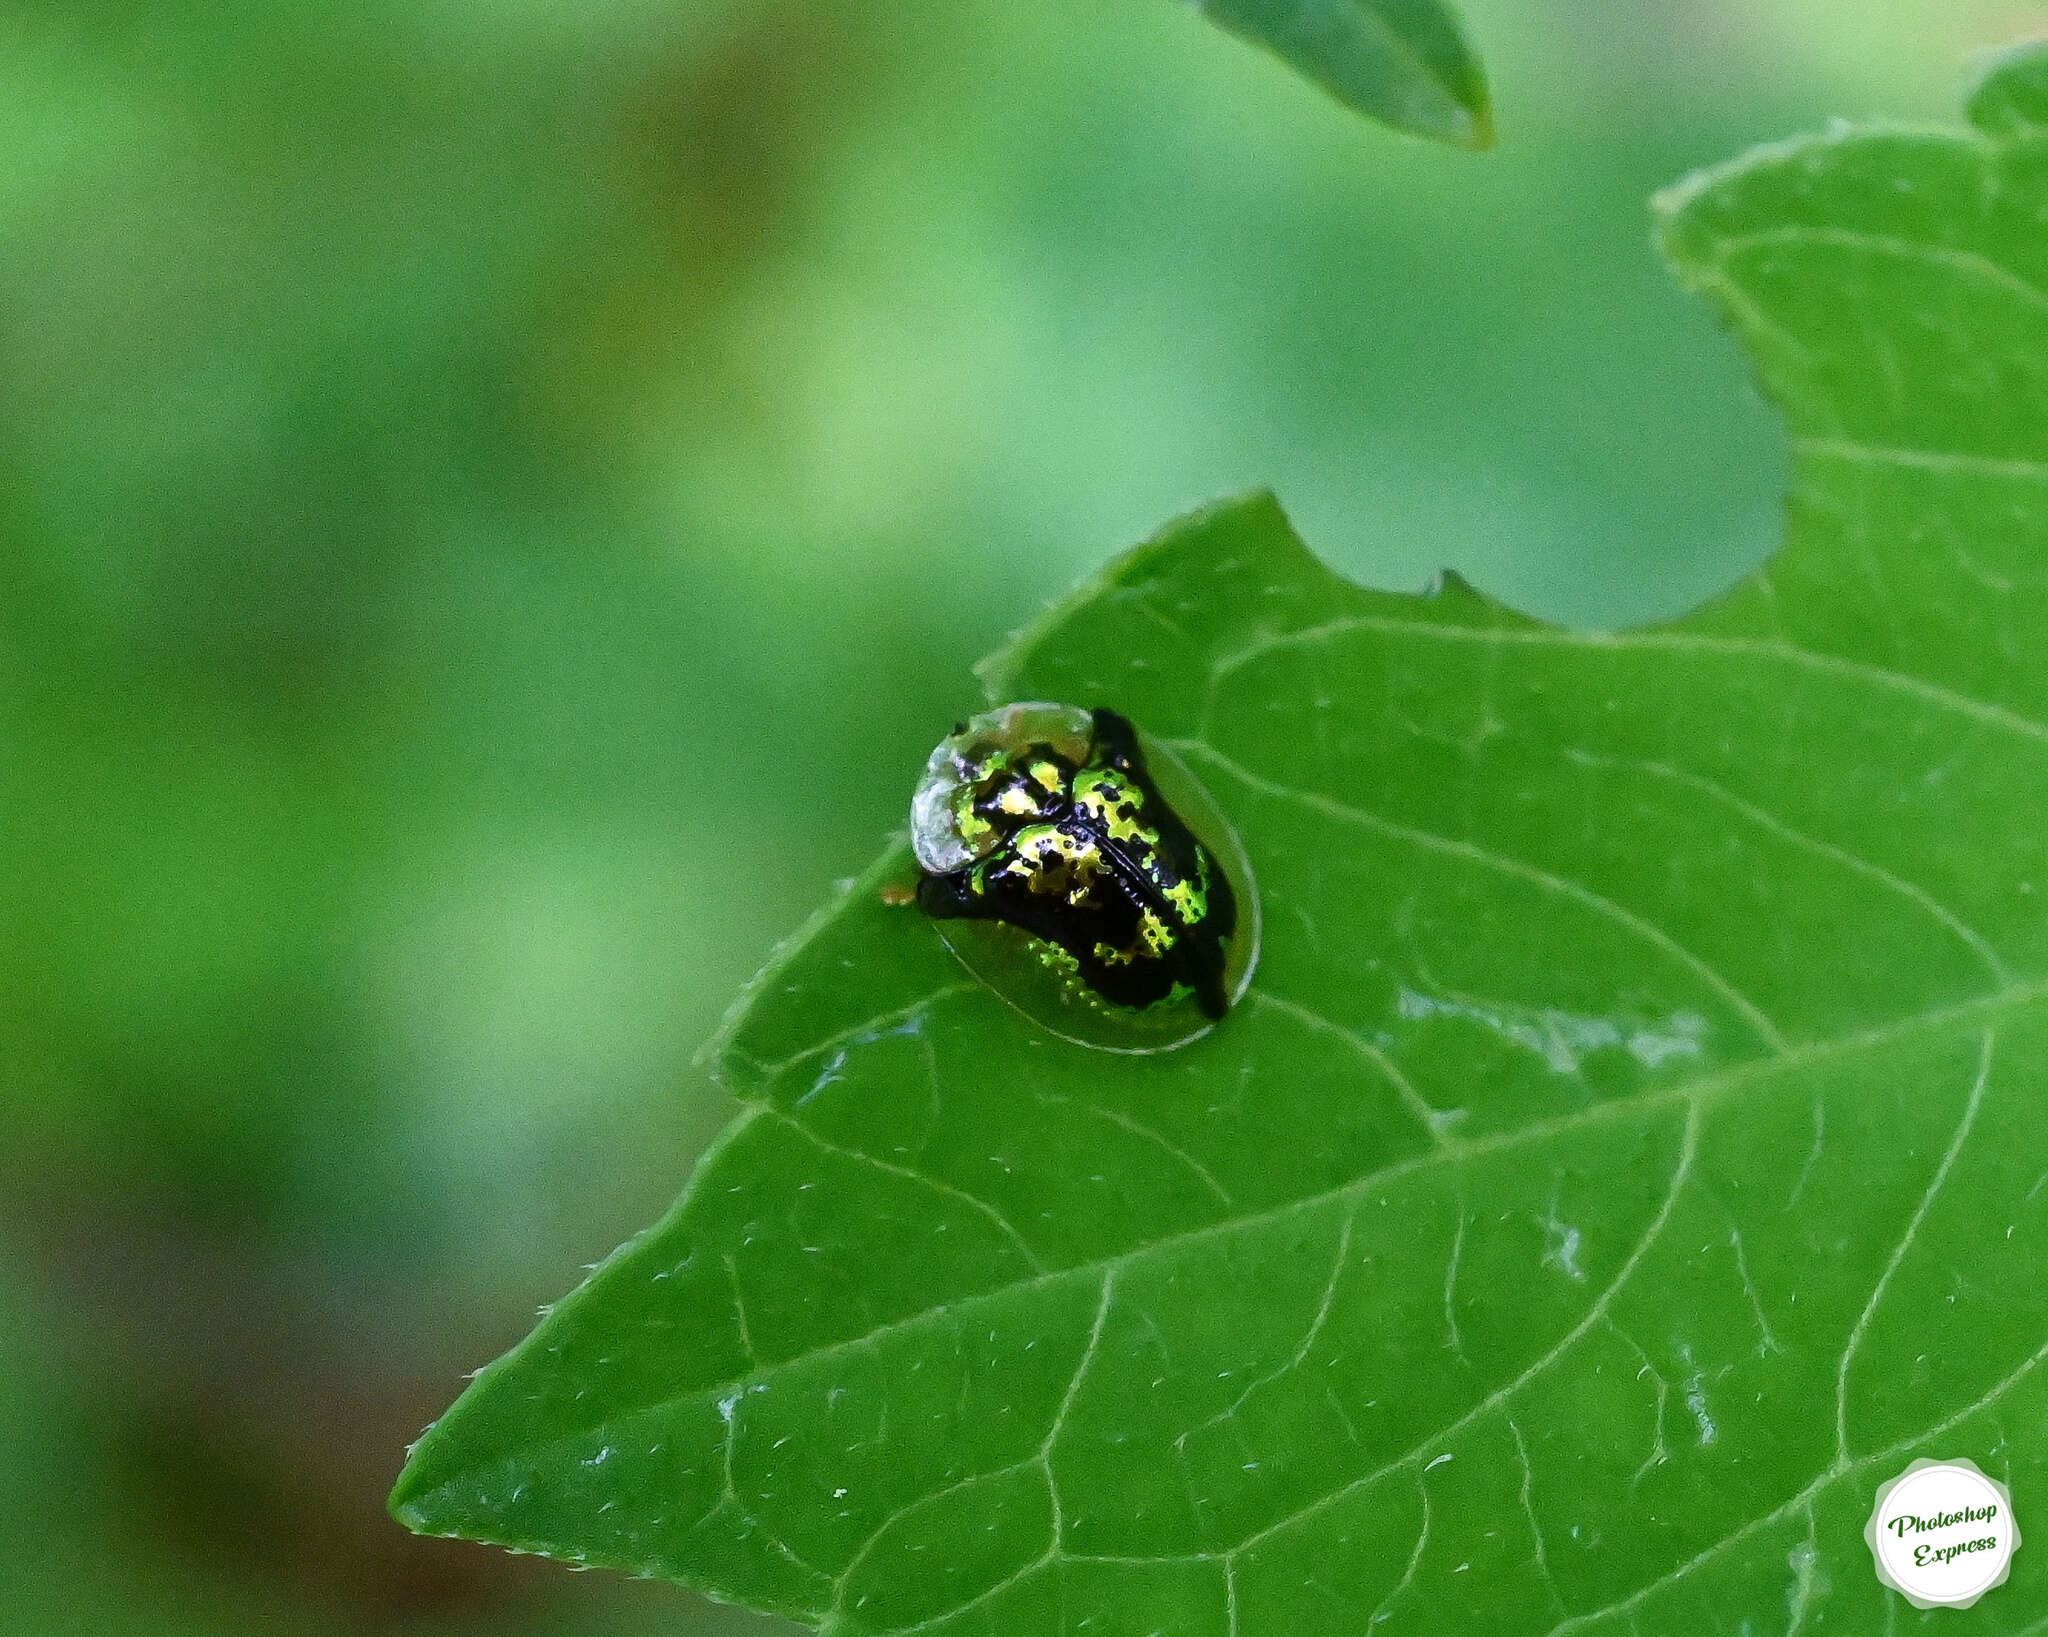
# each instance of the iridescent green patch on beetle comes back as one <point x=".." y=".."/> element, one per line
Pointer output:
<point x="1103" y="913"/>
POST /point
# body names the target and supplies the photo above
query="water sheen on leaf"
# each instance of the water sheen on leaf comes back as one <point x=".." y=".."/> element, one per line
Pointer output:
<point x="1402" y="61"/>
<point x="1631" y="1153"/>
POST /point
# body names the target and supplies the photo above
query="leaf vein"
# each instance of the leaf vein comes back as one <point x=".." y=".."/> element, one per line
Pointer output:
<point x="1667" y="640"/>
<point x="1916" y="895"/>
<point x="1956" y="258"/>
<point x="1964" y="1122"/>
<point x="1529" y="1511"/>
<point x="1139" y="1129"/>
<point x="1929" y="460"/>
<point x="1595" y="1313"/>
<point x="1832" y="1473"/>
<point x="911" y="1174"/>
<point x="1426" y="1113"/>
<point x="1575" y="891"/>
<point x="1300" y="1354"/>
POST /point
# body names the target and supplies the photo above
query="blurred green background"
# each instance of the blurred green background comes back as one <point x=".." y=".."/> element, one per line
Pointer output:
<point x="498" y="496"/>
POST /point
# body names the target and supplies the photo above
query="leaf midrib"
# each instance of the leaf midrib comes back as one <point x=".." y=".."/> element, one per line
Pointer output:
<point x="1699" y="1092"/>
<point x="1707" y="1088"/>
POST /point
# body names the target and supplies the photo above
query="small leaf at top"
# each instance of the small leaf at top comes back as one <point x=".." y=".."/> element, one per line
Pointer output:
<point x="1402" y="61"/>
<point x="1629" y="1155"/>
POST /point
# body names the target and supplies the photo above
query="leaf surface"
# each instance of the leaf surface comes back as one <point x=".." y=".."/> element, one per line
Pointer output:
<point x="1631" y="1152"/>
<point x="1402" y="61"/>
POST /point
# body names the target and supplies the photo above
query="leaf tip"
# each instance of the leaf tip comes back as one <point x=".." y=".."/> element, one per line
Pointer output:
<point x="1407" y="65"/>
<point x="1457" y="112"/>
<point x="408" y="1492"/>
<point x="425" y="1496"/>
<point x="1479" y="131"/>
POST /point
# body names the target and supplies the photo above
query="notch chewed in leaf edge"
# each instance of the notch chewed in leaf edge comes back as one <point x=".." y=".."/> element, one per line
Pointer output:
<point x="1629" y="1153"/>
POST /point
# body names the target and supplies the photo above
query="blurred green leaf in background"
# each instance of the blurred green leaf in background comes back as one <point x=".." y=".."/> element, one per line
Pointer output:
<point x="457" y="459"/>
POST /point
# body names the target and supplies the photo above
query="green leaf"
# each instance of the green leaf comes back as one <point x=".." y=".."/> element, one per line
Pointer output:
<point x="1631" y="1152"/>
<point x="1402" y="61"/>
